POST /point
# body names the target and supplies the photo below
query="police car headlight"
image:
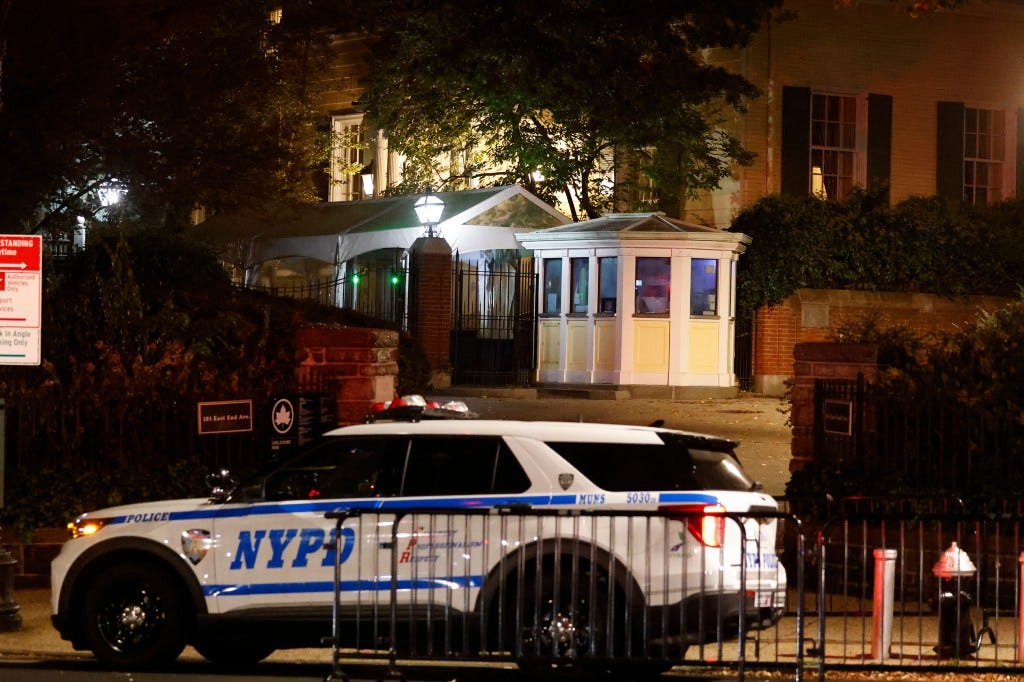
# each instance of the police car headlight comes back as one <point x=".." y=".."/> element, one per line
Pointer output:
<point x="82" y="527"/>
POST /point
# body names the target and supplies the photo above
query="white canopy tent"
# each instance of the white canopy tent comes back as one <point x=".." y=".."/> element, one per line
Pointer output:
<point x="336" y="232"/>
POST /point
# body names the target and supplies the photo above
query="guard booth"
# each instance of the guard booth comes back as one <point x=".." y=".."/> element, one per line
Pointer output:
<point x="637" y="299"/>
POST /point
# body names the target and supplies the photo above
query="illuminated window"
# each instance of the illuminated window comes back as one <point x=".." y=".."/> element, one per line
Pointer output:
<point x="579" y="269"/>
<point x="833" y="145"/>
<point x="704" y="286"/>
<point x="984" y="145"/>
<point x="653" y="285"/>
<point x="607" y="285"/>
<point x="347" y="159"/>
<point x="553" y="285"/>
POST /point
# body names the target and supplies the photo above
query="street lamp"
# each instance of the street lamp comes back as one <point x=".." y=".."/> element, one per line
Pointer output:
<point x="428" y="211"/>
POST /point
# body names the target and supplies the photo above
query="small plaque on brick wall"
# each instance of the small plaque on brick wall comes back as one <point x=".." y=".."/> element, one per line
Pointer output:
<point x="837" y="417"/>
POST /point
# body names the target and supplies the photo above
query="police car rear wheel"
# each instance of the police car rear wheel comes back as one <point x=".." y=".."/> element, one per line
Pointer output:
<point x="132" y="616"/>
<point x="567" y="630"/>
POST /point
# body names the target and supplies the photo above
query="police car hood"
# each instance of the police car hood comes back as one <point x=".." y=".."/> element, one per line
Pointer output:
<point x="150" y="511"/>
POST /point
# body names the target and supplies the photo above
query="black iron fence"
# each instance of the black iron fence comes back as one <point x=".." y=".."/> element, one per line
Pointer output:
<point x="148" y="446"/>
<point x="892" y="443"/>
<point x="493" y="322"/>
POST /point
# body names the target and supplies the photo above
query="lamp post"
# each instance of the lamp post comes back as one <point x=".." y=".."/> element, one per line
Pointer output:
<point x="429" y="208"/>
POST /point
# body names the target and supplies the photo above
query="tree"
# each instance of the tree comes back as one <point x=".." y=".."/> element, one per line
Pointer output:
<point x="544" y="92"/>
<point x="178" y="103"/>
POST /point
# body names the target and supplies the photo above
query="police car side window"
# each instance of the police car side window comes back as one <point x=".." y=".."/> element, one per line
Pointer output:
<point x="631" y="466"/>
<point x="462" y="465"/>
<point x="342" y="468"/>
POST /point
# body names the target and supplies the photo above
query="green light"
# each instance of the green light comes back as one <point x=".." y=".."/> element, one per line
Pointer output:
<point x="355" y="279"/>
<point x="394" y="279"/>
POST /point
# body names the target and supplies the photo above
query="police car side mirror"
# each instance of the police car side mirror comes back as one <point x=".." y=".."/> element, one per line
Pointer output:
<point x="220" y="484"/>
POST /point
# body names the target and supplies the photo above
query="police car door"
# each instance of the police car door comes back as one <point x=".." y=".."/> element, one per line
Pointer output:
<point x="274" y="552"/>
<point x="444" y="544"/>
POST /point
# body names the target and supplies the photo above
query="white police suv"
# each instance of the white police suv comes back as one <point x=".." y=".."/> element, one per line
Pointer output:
<point x="536" y="541"/>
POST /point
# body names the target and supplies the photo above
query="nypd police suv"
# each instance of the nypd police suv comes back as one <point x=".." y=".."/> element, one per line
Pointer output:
<point x="528" y="538"/>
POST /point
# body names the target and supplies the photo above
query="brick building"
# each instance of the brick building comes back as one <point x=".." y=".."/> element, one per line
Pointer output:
<point x="867" y="93"/>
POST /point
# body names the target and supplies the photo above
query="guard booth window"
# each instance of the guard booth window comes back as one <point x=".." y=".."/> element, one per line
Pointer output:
<point x="704" y="287"/>
<point x="462" y="465"/>
<point x="608" y="278"/>
<point x="552" y="286"/>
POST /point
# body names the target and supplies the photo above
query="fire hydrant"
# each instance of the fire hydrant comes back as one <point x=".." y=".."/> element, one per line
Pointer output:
<point x="956" y="631"/>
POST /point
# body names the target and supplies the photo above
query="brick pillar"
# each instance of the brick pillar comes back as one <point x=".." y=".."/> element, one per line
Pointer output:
<point x="430" y="302"/>
<point x="822" y="360"/>
<point x="363" y="361"/>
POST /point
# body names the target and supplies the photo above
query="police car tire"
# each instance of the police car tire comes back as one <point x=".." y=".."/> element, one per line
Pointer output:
<point x="133" y="615"/>
<point x="590" y="619"/>
<point x="233" y="652"/>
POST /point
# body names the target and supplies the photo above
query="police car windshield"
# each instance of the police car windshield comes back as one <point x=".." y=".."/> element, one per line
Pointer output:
<point x="621" y="467"/>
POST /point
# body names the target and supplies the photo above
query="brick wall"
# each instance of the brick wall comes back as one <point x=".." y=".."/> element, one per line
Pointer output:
<point x="430" y="305"/>
<point x="364" y="360"/>
<point x="814" y="361"/>
<point x="807" y="315"/>
<point x="338" y="84"/>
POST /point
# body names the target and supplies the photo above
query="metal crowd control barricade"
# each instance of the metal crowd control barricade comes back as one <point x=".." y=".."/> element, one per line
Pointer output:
<point x="573" y="589"/>
<point x="934" y="602"/>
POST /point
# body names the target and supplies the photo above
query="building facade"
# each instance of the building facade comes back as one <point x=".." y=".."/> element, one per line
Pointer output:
<point x="867" y="94"/>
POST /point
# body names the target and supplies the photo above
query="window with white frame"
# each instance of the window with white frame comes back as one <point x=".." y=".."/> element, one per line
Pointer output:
<point x="833" y="145"/>
<point x="579" y="271"/>
<point x="552" y="286"/>
<point x="984" y="153"/>
<point x="347" y="159"/>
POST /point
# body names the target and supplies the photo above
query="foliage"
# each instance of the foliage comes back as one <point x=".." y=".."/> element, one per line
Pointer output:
<point x="964" y="391"/>
<point x="920" y="244"/>
<point x="50" y="496"/>
<point x="180" y="103"/>
<point x="519" y="93"/>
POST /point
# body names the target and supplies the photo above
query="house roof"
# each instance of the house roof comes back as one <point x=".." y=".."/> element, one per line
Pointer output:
<point x="472" y="220"/>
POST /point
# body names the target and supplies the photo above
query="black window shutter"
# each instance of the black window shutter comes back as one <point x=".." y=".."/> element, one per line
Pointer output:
<point x="879" y="141"/>
<point x="1020" y="154"/>
<point x="796" y="141"/>
<point x="949" y="158"/>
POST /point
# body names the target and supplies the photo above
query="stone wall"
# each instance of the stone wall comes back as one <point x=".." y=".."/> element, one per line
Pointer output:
<point x="807" y="315"/>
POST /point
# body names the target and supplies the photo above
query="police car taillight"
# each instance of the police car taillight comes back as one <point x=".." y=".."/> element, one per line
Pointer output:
<point x="705" y="522"/>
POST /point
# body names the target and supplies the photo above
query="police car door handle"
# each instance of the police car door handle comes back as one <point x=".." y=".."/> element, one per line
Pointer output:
<point x="387" y="545"/>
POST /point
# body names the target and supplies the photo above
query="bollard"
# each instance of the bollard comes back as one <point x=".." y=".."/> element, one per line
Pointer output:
<point x="956" y="631"/>
<point x="10" y="616"/>
<point x="882" y="606"/>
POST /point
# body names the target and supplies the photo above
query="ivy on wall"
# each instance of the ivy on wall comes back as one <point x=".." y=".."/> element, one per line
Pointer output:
<point x="922" y="244"/>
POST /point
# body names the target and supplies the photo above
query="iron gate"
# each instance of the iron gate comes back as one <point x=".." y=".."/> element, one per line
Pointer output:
<point x="494" y="324"/>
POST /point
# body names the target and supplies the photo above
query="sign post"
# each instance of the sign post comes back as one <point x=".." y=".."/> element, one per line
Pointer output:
<point x="21" y="298"/>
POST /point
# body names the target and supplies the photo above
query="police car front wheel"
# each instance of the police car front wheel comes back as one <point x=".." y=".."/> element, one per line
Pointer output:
<point x="132" y="616"/>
